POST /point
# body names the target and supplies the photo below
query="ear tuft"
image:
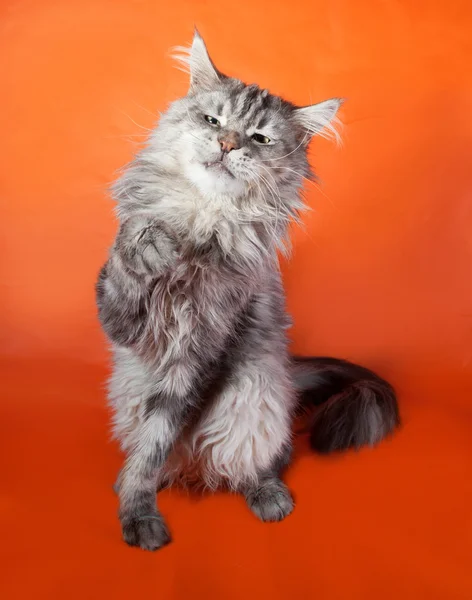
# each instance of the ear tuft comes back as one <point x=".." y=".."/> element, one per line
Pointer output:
<point x="196" y="61"/>
<point x="320" y="119"/>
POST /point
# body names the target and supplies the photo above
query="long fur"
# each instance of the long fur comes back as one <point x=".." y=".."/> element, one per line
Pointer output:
<point x="203" y="387"/>
<point x="356" y="407"/>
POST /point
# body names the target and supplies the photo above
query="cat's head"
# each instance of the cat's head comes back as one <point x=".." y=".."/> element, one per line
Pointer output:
<point x="229" y="138"/>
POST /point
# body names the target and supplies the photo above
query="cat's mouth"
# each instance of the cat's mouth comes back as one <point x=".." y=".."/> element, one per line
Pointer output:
<point x="219" y="166"/>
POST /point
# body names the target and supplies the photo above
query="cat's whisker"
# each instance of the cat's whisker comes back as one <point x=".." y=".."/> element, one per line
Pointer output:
<point x="156" y="116"/>
<point x="276" y="199"/>
<point x="277" y="168"/>
<point x="276" y="186"/>
<point x="137" y="124"/>
<point x="315" y="184"/>
<point x="195" y="136"/>
<point x="269" y="224"/>
<point x="128" y="135"/>
<point x="323" y="193"/>
<point x="255" y="178"/>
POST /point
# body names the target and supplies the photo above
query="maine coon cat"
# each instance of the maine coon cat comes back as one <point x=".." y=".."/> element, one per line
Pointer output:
<point x="203" y="387"/>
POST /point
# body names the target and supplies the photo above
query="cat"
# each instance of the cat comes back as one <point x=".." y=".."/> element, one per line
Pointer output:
<point x="203" y="386"/>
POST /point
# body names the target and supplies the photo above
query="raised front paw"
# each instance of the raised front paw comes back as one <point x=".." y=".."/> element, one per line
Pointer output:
<point x="148" y="532"/>
<point x="146" y="248"/>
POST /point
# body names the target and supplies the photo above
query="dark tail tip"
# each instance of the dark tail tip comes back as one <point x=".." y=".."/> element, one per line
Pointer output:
<point x="362" y="415"/>
<point x="355" y="407"/>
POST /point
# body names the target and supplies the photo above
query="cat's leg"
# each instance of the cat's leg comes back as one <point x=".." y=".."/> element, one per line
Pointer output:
<point x="160" y="483"/>
<point x="129" y="386"/>
<point x="143" y="250"/>
<point x="264" y="376"/>
<point x="141" y="522"/>
<point x="245" y="437"/>
<point x="268" y="497"/>
<point x="147" y="419"/>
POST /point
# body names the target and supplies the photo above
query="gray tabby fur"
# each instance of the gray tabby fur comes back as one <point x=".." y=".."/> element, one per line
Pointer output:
<point x="203" y="388"/>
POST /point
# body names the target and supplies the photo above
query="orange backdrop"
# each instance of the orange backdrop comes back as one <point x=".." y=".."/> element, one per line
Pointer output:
<point x="381" y="274"/>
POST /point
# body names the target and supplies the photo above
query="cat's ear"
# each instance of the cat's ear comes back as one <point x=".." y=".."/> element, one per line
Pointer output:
<point x="196" y="60"/>
<point x="319" y="119"/>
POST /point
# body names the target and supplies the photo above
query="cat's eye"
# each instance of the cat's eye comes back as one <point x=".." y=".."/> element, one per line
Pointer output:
<point x="212" y="120"/>
<point x="261" y="139"/>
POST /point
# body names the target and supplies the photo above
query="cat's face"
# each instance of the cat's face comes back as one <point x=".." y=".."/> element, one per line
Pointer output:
<point x="230" y="138"/>
<point x="235" y="136"/>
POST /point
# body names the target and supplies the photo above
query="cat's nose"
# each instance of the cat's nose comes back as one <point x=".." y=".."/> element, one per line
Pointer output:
<point x="229" y="141"/>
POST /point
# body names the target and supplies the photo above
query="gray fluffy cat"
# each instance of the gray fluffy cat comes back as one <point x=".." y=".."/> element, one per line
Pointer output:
<point x="203" y="387"/>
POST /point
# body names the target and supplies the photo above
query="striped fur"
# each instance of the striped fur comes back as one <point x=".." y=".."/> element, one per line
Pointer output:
<point x="203" y="387"/>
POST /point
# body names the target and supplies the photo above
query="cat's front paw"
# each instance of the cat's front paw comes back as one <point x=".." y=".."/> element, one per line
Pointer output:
<point x="270" y="501"/>
<point x="148" y="250"/>
<point x="148" y="532"/>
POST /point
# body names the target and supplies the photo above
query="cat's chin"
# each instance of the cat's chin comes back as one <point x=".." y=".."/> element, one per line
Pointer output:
<point x="215" y="179"/>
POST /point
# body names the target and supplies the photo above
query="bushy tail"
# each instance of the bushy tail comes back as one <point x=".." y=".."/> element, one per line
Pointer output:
<point x="356" y="407"/>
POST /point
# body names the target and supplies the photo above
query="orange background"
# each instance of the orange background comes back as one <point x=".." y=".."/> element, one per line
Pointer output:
<point x="381" y="275"/>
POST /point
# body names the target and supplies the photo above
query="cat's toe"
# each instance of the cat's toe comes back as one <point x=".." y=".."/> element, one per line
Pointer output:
<point x="147" y="532"/>
<point x="270" y="501"/>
